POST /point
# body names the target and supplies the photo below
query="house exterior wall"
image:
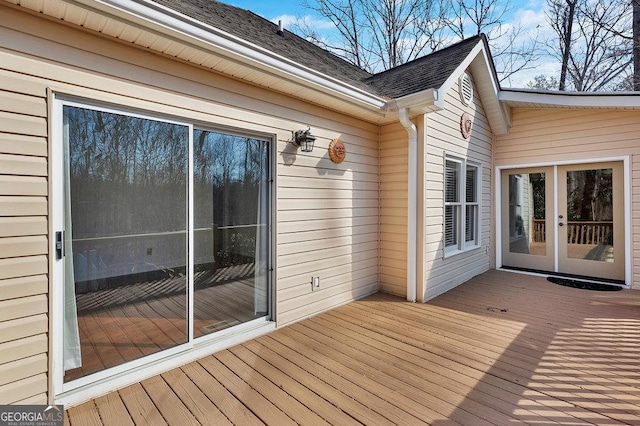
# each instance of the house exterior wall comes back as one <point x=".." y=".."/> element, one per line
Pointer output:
<point x="443" y="137"/>
<point x="393" y="209"/>
<point x="552" y="135"/>
<point x="439" y="135"/>
<point x="23" y="240"/>
<point x="326" y="214"/>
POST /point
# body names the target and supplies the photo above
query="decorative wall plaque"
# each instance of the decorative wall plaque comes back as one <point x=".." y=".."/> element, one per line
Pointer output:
<point x="337" y="151"/>
<point x="465" y="125"/>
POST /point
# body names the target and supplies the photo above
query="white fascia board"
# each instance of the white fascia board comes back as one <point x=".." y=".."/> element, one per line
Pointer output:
<point x="629" y="100"/>
<point x="168" y="22"/>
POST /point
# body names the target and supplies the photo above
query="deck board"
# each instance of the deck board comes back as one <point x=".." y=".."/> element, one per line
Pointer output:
<point x="503" y="348"/>
<point x="140" y="407"/>
<point x="232" y="408"/>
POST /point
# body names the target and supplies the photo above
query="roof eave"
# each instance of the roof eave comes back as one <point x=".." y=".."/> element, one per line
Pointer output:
<point x="617" y="100"/>
<point x="160" y="20"/>
<point x="416" y="103"/>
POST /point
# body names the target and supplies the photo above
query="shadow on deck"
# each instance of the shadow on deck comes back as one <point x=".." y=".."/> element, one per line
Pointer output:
<point x="502" y="349"/>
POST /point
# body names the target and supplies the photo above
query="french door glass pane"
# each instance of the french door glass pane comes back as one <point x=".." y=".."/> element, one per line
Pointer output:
<point x="126" y="180"/>
<point x="527" y="210"/>
<point x="590" y="214"/>
<point x="231" y="230"/>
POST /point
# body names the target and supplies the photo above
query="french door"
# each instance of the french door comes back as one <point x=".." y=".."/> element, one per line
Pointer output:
<point x="566" y="219"/>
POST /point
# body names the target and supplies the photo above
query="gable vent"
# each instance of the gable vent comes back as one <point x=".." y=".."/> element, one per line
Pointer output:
<point x="466" y="89"/>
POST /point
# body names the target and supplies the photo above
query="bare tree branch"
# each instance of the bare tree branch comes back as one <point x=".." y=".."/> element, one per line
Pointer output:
<point x="594" y="42"/>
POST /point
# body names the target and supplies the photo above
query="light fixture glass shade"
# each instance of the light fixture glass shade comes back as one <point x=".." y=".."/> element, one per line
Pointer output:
<point x="305" y="140"/>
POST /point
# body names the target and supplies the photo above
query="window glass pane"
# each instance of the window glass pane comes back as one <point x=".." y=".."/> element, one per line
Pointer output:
<point x="471" y="190"/>
<point x="231" y="230"/>
<point x="126" y="236"/>
<point x="470" y="223"/>
<point x="450" y="226"/>
<point x="452" y="179"/>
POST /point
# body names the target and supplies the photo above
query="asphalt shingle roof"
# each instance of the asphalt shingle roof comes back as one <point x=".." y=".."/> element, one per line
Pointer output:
<point x="427" y="72"/>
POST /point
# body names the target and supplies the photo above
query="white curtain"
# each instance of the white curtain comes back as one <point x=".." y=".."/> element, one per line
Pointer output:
<point x="261" y="273"/>
<point x="71" y="335"/>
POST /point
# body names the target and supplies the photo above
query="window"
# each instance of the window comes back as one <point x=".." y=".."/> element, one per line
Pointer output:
<point x="461" y="205"/>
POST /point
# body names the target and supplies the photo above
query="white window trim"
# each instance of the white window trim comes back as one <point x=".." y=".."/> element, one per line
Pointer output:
<point x="462" y="245"/>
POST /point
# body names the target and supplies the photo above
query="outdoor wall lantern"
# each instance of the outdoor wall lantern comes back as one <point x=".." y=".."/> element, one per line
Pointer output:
<point x="304" y="139"/>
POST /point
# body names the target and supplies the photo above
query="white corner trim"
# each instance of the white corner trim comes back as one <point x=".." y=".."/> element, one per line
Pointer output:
<point x="628" y="223"/>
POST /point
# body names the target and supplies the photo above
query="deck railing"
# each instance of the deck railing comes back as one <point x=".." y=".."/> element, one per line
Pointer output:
<point x="578" y="232"/>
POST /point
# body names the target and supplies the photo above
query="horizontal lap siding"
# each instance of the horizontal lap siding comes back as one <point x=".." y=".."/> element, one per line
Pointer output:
<point x="444" y="138"/>
<point x="393" y="209"/>
<point x="327" y="223"/>
<point x="554" y="135"/>
<point x="327" y="213"/>
<point x="23" y="241"/>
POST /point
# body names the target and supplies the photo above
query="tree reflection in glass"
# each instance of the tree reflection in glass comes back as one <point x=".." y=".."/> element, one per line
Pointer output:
<point x="231" y="230"/>
<point x="128" y="203"/>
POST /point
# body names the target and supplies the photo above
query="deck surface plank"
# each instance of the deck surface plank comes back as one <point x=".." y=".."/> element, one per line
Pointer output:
<point x="173" y="409"/>
<point x="112" y="410"/>
<point x="232" y="408"/>
<point x="141" y="408"/>
<point x="195" y="398"/>
<point x="256" y="402"/>
<point x="503" y="348"/>
<point x="316" y="408"/>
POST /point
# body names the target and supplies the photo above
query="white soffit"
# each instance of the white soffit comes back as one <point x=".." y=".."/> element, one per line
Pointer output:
<point x="155" y="27"/>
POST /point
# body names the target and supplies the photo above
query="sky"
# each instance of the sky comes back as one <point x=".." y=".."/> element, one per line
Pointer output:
<point x="527" y="14"/>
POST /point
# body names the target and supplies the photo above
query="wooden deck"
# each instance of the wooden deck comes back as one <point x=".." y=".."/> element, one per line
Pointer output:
<point x="501" y="349"/>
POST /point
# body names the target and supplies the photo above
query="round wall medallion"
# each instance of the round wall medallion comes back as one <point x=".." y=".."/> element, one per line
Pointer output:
<point x="337" y="151"/>
<point x="465" y="125"/>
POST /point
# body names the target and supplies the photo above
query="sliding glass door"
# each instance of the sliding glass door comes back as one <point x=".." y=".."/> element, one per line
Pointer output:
<point x="162" y="236"/>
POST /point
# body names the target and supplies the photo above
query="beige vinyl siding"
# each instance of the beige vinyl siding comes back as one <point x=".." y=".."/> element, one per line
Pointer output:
<point x="327" y="214"/>
<point x="23" y="240"/>
<point x="443" y="138"/>
<point x="393" y="209"/>
<point x="327" y="226"/>
<point x="555" y="135"/>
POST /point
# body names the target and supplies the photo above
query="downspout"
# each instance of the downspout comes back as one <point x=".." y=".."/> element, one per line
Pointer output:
<point x="412" y="190"/>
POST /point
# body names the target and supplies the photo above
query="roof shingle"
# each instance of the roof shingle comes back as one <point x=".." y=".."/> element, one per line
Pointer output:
<point x="429" y="71"/>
